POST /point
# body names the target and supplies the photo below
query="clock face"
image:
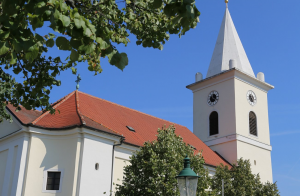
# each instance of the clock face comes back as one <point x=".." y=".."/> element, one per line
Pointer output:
<point x="251" y="97"/>
<point x="213" y="98"/>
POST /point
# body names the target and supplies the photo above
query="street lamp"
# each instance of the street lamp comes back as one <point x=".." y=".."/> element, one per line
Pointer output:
<point x="187" y="179"/>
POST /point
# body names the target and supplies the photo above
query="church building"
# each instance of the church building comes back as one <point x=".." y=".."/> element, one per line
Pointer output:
<point x="81" y="150"/>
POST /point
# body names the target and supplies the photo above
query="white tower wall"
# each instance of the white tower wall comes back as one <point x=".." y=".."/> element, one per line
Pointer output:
<point x="234" y="140"/>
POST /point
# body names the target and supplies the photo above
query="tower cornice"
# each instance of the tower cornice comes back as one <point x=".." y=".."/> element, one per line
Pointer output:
<point x="229" y="74"/>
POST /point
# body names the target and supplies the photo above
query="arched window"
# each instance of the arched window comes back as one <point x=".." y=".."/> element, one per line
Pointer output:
<point x="252" y="123"/>
<point x="213" y="123"/>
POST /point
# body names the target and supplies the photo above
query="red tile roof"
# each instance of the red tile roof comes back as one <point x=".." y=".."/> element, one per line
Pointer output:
<point x="23" y="115"/>
<point x="79" y="108"/>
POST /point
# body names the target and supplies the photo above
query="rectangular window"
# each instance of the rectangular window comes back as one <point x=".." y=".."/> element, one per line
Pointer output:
<point x="53" y="180"/>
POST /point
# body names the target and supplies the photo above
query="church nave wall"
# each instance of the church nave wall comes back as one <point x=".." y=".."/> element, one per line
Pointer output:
<point x="53" y="153"/>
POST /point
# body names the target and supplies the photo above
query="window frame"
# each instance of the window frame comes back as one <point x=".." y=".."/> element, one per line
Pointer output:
<point x="256" y="124"/>
<point x="215" y="135"/>
<point x="44" y="190"/>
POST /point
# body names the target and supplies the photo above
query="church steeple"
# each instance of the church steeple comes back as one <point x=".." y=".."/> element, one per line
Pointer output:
<point x="228" y="46"/>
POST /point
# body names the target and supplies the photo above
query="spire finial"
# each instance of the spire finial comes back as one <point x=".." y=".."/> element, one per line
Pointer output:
<point x="77" y="81"/>
<point x="226" y="1"/>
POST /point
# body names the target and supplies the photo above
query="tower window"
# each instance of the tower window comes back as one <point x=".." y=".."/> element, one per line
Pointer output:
<point x="53" y="180"/>
<point x="252" y="123"/>
<point x="213" y="123"/>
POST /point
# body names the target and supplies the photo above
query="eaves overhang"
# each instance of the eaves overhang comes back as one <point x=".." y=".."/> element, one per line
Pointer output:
<point x="62" y="128"/>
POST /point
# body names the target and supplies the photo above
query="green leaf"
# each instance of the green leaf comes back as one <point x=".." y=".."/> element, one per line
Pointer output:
<point x="50" y="43"/>
<point x="103" y="44"/>
<point x="48" y="12"/>
<point x="62" y="43"/>
<point x="17" y="45"/>
<point x="51" y="35"/>
<point x="36" y="21"/>
<point x="39" y="38"/>
<point x="74" y="55"/>
<point x="32" y="53"/>
<point x="76" y="15"/>
<point x="56" y="15"/>
<point x="3" y="48"/>
<point x="13" y="58"/>
<point x="17" y="70"/>
<point x="75" y="43"/>
<point x="118" y="60"/>
<point x="63" y="6"/>
<point x="161" y="47"/>
<point x="157" y="4"/>
<point x="87" y="32"/>
<point x="190" y="11"/>
<point x="74" y="70"/>
<point x="79" y="23"/>
<point x="4" y="34"/>
<point x="65" y="20"/>
<point x="87" y="49"/>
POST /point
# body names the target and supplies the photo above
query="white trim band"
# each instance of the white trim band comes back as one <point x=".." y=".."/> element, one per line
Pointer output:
<point x="237" y="137"/>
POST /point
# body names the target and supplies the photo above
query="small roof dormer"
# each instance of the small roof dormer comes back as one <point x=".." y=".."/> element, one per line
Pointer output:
<point x="228" y="47"/>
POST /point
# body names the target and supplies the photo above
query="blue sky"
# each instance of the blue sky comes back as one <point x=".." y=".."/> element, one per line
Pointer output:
<point x="154" y="81"/>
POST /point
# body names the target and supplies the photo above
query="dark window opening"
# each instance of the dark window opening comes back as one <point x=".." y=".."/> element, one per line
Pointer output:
<point x="130" y="128"/>
<point x="213" y="123"/>
<point x="193" y="147"/>
<point x="252" y="123"/>
<point x="53" y="180"/>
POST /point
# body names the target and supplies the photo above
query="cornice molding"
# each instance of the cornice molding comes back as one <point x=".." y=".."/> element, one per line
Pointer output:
<point x="241" y="138"/>
<point x="227" y="75"/>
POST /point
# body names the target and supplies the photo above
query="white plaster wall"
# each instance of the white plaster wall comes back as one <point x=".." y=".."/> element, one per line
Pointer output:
<point x="211" y="170"/>
<point x="95" y="182"/>
<point x="260" y="109"/>
<point x="261" y="156"/>
<point x="227" y="150"/>
<point x="51" y="152"/>
<point x="122" y="157"/>
<point x="119" y="165"/>
<point x="3" y="161"/>
<point x="16" y="148"/>
<point x="13" y="169"/>
<point x="7" y="128"/>
<point x="224" y="107"/>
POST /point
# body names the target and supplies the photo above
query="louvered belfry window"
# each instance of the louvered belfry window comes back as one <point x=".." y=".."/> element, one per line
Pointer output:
<point x="213" y="123"/>
<point x="252" y="123"/>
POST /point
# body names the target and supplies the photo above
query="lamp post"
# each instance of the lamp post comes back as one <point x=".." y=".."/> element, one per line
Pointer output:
<point x="187" y="179"/>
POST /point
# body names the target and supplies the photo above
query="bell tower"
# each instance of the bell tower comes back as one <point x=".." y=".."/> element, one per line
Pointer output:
<point x="230" y="106"/>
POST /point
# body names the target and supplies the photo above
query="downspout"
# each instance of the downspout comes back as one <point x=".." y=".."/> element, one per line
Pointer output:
<point x="113" y="160"/>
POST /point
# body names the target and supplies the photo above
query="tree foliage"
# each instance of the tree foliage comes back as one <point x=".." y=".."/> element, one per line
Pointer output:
<point x="239" y="181"/>
<point x="152" y="170"/>
<point x="87" y="30"/>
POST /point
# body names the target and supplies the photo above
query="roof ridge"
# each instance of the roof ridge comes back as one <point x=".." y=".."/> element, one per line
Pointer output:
<point x="56" y="102"/>
<point x="55" y="106"/>
<point x="129" y="108"/>
<point x="103" y="125"/>
<point x="77" y="108"/>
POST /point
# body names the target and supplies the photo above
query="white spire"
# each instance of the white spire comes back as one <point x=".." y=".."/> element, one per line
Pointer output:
<point x="228" y="46"/>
